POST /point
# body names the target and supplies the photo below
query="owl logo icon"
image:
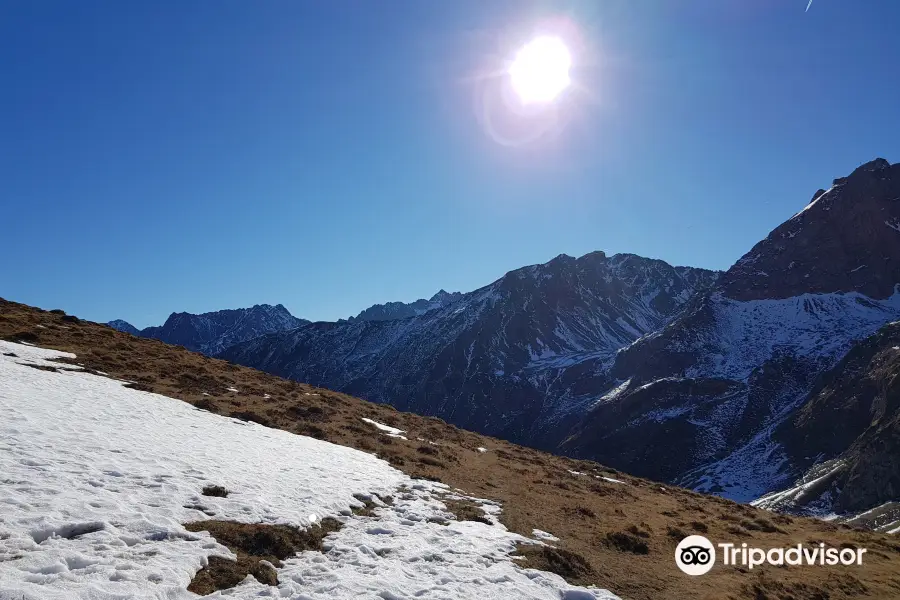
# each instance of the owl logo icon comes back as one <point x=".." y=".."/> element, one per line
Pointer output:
<point x="695" y="555"/>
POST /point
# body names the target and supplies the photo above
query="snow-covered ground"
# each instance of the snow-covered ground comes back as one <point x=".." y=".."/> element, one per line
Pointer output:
<point x="746" y="334"/>
<point x="97" y="479"/>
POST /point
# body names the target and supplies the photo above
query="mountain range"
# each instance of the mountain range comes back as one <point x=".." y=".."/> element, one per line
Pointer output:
<point x="212" y="332"/>
<point x="722" y="382"/>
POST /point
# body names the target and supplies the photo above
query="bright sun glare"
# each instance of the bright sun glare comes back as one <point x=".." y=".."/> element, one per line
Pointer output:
<point x="540" y="71"/>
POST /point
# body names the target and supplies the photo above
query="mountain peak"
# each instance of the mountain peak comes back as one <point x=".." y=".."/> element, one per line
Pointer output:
<point x="844" y="240"/>
<point x="561" y="259"/>
<point x="879" y="164"/>
<point x="123" y="326"/>
<point x="209" y="332"/>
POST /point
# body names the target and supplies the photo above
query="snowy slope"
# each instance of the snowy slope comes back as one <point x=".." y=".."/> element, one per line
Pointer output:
<point x="97" y="480"/>
<point x="845" y="435"/>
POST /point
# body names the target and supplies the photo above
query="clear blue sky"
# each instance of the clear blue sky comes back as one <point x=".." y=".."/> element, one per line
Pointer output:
<point x="197" y="155"/>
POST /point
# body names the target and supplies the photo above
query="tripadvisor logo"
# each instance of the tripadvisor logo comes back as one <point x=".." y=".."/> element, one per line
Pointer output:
<point x="696" y="555"/>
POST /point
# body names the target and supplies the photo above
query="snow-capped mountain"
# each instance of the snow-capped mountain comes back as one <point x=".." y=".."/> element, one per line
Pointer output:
<point x="478" y="360"/>
<point x="401" y="310"/>
<point x="212" y="332"/>
<point x="705" y="400"/>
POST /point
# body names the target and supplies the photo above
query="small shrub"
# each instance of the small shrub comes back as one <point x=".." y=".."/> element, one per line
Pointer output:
<point x="70" y="319"/>
<point x="42" y="367"/>
<point x="760" y="525"/>
<point x="365" y="445"/>
<point x="466" y="510"/>
<point x="430" y="450"/>
<point x="432" y="462"/>
<point x="204" y="404"/>
<point x="24" y="336"/>
<point x="635" y="530"/>
<point x="216" y="491"/>
<point x="308" y="413"/>
<point x="57" y="311"/>
<point x="368" y="508"/>
<point x="699" y="526"/>
<point x="245" y="415"/>
<point x="567" y="564"/>
<point x="585" y="512"/>
<point x="783" y="519"/>
<point x="627" y="542"/>
<point x="141" y="387"/>
<point x="313" y="431"/>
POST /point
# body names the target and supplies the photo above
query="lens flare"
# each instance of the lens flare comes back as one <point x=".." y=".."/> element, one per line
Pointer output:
<point x="540" y="71"/>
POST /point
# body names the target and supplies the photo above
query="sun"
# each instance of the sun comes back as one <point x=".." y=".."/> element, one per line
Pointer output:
<point x="540" y="71"/>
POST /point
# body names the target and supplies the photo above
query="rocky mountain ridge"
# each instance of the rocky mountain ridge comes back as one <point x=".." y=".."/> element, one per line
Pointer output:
<point x="477" y="361"/>
<point x="212" y="332"/>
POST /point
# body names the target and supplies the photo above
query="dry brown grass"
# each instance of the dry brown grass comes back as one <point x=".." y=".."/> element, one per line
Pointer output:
<point x="465" y="510"/>
<point x="253" y="543"/>
<point x="603" y="526"/>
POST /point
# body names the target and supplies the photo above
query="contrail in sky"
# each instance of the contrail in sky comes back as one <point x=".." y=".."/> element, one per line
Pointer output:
<point x="808" y="5"/>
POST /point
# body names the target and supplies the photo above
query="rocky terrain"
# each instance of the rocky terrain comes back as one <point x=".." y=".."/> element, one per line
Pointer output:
<point x="212" y="332"/>
<point x="712" y="400"/>
<point x="480" y="361"/>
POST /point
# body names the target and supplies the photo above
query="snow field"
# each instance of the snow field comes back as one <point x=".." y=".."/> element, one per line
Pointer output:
<point x="97" y="479"/>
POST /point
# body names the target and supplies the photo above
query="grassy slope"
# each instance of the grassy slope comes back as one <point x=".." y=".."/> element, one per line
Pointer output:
<point x="617" y="536"/>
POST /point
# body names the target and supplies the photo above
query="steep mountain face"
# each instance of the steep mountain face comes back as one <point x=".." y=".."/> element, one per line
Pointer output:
<point x="212" y="332"/>
<point x="847" y="433"/>
<point x="481" y="361"/>
<point x="400" y="310"/>
<point x="844" y="240"/>
<point x="698" y="401"/>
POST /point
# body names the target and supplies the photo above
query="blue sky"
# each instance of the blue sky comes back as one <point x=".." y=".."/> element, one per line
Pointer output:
<point x="168" y="156"/>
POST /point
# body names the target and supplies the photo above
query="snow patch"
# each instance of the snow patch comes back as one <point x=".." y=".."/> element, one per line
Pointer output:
<point x="610" y="479"/>
<point x="98" y="479"/>
<point x="543" y="536"/>
<point x="391" y="431"/>
<point x="613" y="393"/>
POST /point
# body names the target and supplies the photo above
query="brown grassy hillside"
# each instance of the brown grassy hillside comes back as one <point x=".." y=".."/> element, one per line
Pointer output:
<point x="620" y="536"/>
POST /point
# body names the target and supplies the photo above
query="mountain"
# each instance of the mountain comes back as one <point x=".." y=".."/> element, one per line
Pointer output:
<point x="479" y="360"/>
<point x="719" y="400"/>
<point x="847" y="435"/>
<point x="214" y="331"/>
<point x="400" y="310"/>
<point x="127" y="455"/>
<point x="124" y="326"/>
<point x="672" y="373"/>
